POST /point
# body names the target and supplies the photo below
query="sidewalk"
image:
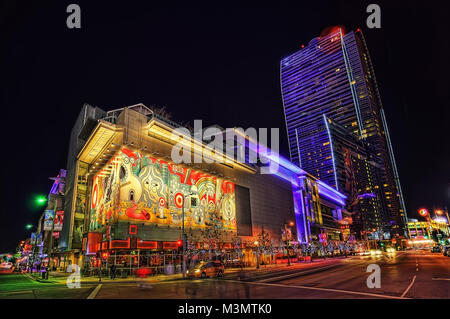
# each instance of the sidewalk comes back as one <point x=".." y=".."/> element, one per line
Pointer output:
<point x="61" y="277"/>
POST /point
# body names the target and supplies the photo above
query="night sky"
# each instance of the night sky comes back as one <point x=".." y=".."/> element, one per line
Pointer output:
<point x="216" y="64"/>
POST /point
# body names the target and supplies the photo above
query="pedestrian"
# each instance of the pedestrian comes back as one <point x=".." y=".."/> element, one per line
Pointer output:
<point x="113" y="271"/>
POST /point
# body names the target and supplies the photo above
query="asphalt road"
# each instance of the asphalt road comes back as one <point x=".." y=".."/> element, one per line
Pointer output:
<point x="410" y="274"/>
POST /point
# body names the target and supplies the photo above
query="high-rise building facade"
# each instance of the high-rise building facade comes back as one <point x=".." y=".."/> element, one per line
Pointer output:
<point x="332" y="80"/>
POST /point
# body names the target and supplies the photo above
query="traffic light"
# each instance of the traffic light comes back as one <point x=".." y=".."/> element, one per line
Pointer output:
<point x="179" y="243"/>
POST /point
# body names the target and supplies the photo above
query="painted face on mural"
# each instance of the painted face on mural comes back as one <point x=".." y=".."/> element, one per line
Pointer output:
<point x="153" y="185"/>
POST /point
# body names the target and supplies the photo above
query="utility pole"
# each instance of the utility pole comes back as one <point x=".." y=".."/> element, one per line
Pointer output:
<point x="287" y="242"/>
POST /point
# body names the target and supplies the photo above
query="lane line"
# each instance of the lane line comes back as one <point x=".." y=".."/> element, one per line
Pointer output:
<point x="409" y="287"/>
<point x="298" y="274"/>
<point x="15" y="292"/>
<point x="440" y="278"/>
<point x="317" y="288"/>
<point x="95" y="292"/>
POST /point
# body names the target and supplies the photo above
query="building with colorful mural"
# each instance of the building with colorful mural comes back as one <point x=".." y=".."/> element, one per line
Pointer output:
<point x="128" y="198"/>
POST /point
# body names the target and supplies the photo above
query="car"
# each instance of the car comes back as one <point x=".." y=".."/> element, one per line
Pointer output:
<point x="436" y="249"/>
<point x="446" y="251"/>
<point x="206" y="269"/>
<point x="375" y="252"/>
<point x="390" y="250"/>
<point x="6" y="265"/>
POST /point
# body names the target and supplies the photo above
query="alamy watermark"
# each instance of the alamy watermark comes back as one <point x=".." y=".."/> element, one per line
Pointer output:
<point x="374" y="19"/>
<point x="374" y="279"/>
<point x="73" y="21"/>
<point x="73" y="281"/>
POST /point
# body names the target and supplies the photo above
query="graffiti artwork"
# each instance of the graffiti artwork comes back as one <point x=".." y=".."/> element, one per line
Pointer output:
<point x="139" y="188"/>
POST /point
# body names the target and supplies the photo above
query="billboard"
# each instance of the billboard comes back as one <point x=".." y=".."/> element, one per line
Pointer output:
<point x="36" y="238"/>
<point x="135" y="187"/>
<point x="48" y="219"/>
<point x="59" y="220"/>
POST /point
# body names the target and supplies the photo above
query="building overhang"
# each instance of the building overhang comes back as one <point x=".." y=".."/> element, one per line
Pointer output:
<point x="165" y="132"/>
<point x="98" y="142"/>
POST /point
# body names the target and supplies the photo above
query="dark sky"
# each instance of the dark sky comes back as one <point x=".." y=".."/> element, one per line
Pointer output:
<point x="216" y="64"/>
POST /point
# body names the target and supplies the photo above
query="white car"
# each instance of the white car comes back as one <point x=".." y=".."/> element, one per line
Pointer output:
<point x="6" y="265"/>
<point x="375" y="252"/>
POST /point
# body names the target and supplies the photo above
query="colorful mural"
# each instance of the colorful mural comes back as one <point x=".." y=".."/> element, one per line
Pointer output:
<point x="136" y="187"/>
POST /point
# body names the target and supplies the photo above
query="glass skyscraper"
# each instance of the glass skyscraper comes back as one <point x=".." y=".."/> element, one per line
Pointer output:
<point x="334" y="116"/>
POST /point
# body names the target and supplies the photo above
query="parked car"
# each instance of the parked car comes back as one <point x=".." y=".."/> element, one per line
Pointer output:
<point x="446" y="251"/>
<point x="206" y="269"/>
<point x="6" y="265"/>
<point x="234" y="263"/>
<point x="436" y="249"/>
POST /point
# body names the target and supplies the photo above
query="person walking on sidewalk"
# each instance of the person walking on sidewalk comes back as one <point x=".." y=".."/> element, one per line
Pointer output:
<point x="242" y="276"/>
<point x="113" y="271"/>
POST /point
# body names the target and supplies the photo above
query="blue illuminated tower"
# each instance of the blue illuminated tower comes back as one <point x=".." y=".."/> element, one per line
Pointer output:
<point x="331" y="103"/>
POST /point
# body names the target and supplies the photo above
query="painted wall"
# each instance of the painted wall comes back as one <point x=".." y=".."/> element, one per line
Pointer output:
<point x="136" y="187"/>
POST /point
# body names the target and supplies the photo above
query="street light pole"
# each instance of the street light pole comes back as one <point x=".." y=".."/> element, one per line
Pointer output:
<point x="183" y="235"/>
<point x="287" y="244"/>
<point x="182" y="238"/>
<point x="50" y="245"/>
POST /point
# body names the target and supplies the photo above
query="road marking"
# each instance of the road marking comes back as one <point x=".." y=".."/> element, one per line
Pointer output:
<point x="296" y="274"/>
<point x="409" y="287"/>
<point x="15" y="292"/>
<point x="321" y="289"/>
<point x="440" y="278"/>
<point x="95" y="292"/>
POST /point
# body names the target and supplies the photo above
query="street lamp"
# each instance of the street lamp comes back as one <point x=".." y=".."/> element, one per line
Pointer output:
<point x="286" y="232"/>
<point x="42" y="200"/>
<point x="30" y="227"/>
<point x="183" y="234"/>
<point x="257" y="260"/>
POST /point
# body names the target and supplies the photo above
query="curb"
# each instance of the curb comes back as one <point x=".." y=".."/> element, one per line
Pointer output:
<point x="38" y="279"/>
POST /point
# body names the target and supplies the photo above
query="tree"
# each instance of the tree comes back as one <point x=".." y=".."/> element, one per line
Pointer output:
<point x="213" y="232"/>
<point x="265" y="246"/>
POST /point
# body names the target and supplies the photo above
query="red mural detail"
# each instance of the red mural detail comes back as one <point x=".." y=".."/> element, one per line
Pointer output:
<point x="179" y="200"/>
<point x="132" y="213"/>
<point x="109" y="214"/>
<point x="129" y="153"/>
<point x="227" y="187"/>
<point x="95" y="195"/>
